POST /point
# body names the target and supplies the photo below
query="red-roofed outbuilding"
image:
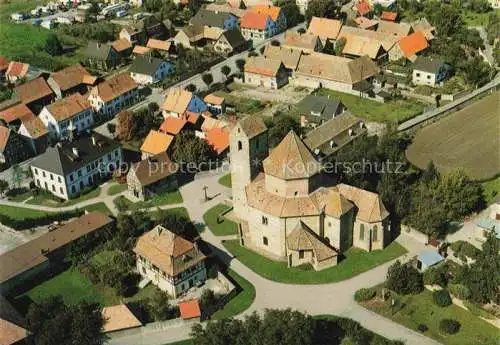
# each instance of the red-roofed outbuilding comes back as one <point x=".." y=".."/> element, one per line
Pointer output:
<point x="190" y="309"/>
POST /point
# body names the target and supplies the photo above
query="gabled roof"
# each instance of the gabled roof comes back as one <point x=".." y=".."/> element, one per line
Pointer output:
<point x="17" y="112"/>
<point x="252" y="126"/>
<point x="303" y="238"/>
<point x="10" y="333"/>
<point x="121" y="45"/>
<point x="413" y="44"/>
<point x="252" y="20"/>
<point x="72" y="76"/>
<point x="226" y="8"/>
<point x="370" y="206"/>
<point x="291" y="159"/>
<point x="177" y="100"/>
<point x="427" y="64"/>
<point x="98" y="50"/>
<point x="365" y="23"/>
<point x="146" y="65"/>
<point x="387" y="41"/>
<point x="154" y="169"/>
<point x="68" y="107"/>
<point x="193" y="32"/>
<point x="390" y="16"/>
<point x="234" y="38"/>
<point x="360" y="46"/>
<point x="118" y="317"/>
<point x="218" y="139"/>
<point x="324" y="106"/>
<point x="210" y="18"/>
<point x="4" y="137"/>
<point x="156" y="142"/>
<point x="325" y="28"/>
<point x="35" y="127"/>
<point x="300" y="41"/>
<point x="363" y="7"/>
<point x="395" y="29"/>
<point x="33" y="90"/>
<point x="189" y="309"/>
<point x="288" y="56"/>
<point x="268" y="10"/>
<point x="430" y="257"/>
<point x="141" y="50"/>
<point x="172" y="125"/>
<point x="159" y="44"/>
<point x="114" y="87"/>
<point x="17" y="69"/>
<point x="424" y="26"/>
<point x="213" y="99"/>
<point x="262" y="65"/>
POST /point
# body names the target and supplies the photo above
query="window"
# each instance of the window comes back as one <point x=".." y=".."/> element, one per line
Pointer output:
<point x="301" y="254"/>
<point x="73" y="189"/>
<point x="71" y="177"/>
<point x="362" y="232"/>
<point x="418" y="74"/>
<point x="79" y="173"/>
<point x="264" y="220"/>
<point x="59" y="179"/>
<point x="43" y="173"/>
<point x="264" y="240"/>
<point x="329" y="224"/>
<point x="36" y="171"/>
<point x="374" y="234"/>
<point x="52" y="177"/>
<point x="61" y="190"/>
<point x="53" y="188"/>
<point x="240" y="146"/>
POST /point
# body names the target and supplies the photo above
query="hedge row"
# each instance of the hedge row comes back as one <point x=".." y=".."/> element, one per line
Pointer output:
<point x="26" y="223"/>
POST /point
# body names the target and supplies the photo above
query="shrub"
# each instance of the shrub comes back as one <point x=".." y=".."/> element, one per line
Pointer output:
<point x="26" y="223"/>
<point x="449" y="326"/>
<point x="442" y="298"/>
<point x="422" y="328"/>
<point x="459" y="291"/>
<point x="435" y="276"/>
<point x="16" y="191"/>
<point x="404" y="279"/>
<point x="364" y="294"/>
<point x="465" y="249"/>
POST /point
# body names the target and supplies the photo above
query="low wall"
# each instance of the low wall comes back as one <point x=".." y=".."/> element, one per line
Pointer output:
<point x="452" y="97"/>
<point x="154" y="326"/>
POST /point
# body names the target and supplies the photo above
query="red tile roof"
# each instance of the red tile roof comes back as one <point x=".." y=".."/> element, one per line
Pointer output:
<point x="272" y="11"/>
<point x="363" y="7"/>
<point x="33" y="90"/>
<point x="172" y="125"/>
<point x="17" y="112"/>
<point x="412" y="44"/>
<point x="189" y="309"/>
<point x="17" y="69"/>
<point x="218" y="139"/>
<point x="4" y="64"/>
<point x="390" y="16"/>
<point x="192" y="117"/>
<point x="4" y="137"/>
<point x="251" y="20"/>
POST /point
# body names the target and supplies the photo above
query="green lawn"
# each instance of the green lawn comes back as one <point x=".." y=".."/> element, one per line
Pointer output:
<point x="183" y="342"/>
<point x="226" y="180"/>
<point x="226" y="227"/>
<point x="476" y="19"/>
<point x="357" y="261"/>
<point x="393" y="111"/>
<point x="117" y="188"/>
<point x="19" y="213"/>
<point x="100" y="207"/>
<point x="421" y="309"/>
<point x="20" y="197"/>
<point x="167" y="198"/>
<point x="491" y="189"/>
<point x="241" y="302"/>
<point x="47" y="199"/>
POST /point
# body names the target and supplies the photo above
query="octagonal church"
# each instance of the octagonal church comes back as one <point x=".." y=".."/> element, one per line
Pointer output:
<point x="285" y="209"/>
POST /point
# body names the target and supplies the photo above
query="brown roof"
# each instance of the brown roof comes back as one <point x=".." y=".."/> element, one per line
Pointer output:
<point x="114" y="87"/>
<point x="159" y="44"/>
<point x="337" y="68"/>
<point x="156" y="142"/>
<point x="252" y="126"/>
<point x="31" y="254"/>
<point x="359" y="46"/>
<point x="370" y="207"/>
<point x="252" y="20"/>
<point x="324" y="27"/>
<point x="288" y="56"/>
<point x="141" y="50"/>
<point x="161" y="247"/>
<point x="387" y="41"/>
<point x="291" y="159"/>
<point x="11" y="333"/>
<point x="271" y="11"/>
<point x="121" y="45"/>
<point x="413" y="44"/>
<point x="300" y="41"/>
<point x="72" y="76"/>
<point x="226" y="8"/>
<point x="68" y="107"/>
<point x="154" y="169"/>
<point x="173" y="125"/>
<point x="395" y="29"/>
<point x="17" y="69"/>
<point x="213" y="99"/>
<point x="365" y="23"/>
<point x="177" y="100"/>
<point x="35" y="127"/>
<point x="303" y="238"/>
<point x="390" y="16"/>
<point x="16" y="112"/>
<point x="33" y="90"/>
<point x="4" y="137"/>
<point x="4" y="64"/>
<point x="262" y="65"/>
<point x="118" y="317"/>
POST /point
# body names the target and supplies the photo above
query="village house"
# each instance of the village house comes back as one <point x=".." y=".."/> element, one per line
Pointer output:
<point x="118" y="318"/>
<point x="399" y="30"/>
<point x="68" y="116"/>
<point x="288" y="56"/>
<point x="287" y="213"/>
<point x="163" y="47"/>
<point x="12" y="334"/>
<point x="143" y="29"/>
<point x="306" y="43"/>
<point x="35" y="94"/>
<point x="357" y="46"/>
<point x="179" y="101"/>
<point x="227" y="8"/>
<point x="4" y="65"/>
<point x="101" y="56"/>
<point x="69" y="80"/>
<point x="133" y="35"/>
<point x="67" y="169"/>
<point x="188" y="121"/>
<point x="36" y="258"/>
<point x="429" y="71"/>
<point x="329" y="137"/>
<point x="156" y="142"/>
<point x="423" y="26"/>
<point x="114" y="94"/>
<point x="277" y="16"/>
<point x="151" y="176"/>
<point x="13" y="147"/>
<point x="15" y="114"/>
<point x="315" y="110"/>
<point x="214" y="19"/>
<point x="190" y="36"/>
<point x="147" y="70"/>
<point x="408" y="47"/>
<point x="229" y="42"/>
<point x="490" y="224"/>
<point x="218" y="139"/>
<point x="257" y="27"/>
<point x="123" y="47"/>
<point x="319" y="70"/>
<point x="389" y="16"/>
<point x="216" y="105"/>
<point x="171" y="262"/>
<point x="16" y="71"/>
<point x="363" y="8"/>
<point x="141" y="51"/>
<point x="268" y="73"/>
<point x="386" y="41"/>
<point x="37" y="135"/>
<point x="326" y="29"/>
<point x="366" y="23"/>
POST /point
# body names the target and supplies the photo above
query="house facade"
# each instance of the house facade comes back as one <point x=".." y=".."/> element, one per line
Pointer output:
<point x="427" y="71"/>
<point x="268" y="73"/>
<point x="147" y="70"/>
<point x="101" y="56"/>
<point x="171" y="262"/>
<point x="257" y="27"/>
<point x="230" y="42"/>
<point x="286" y="212"/>
<point x="34" y="130"/>
<point x="113" y="95"/>
<point x="71" y="80"/>
<point x="65" y="170"/>
<point x="13" y="147"/>
<point x="179" y="101"/>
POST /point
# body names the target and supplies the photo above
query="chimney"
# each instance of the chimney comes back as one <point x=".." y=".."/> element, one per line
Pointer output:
<point x="75" y="152"/>
<point x="94" y="142"/>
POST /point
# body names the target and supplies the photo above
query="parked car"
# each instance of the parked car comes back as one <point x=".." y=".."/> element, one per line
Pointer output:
<point x="121" y="13"/>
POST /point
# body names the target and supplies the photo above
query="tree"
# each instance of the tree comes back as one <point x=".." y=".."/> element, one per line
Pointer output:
<point x="404" y="279"/>
<point x="191" y="88"/>
<point x="476" y="71"/>
<point x="225" y="70"/>
<point x="208" y="300"/>
<point x="4" y="186"/>
<point x="339" y="46"/>
<point x="240" y="63"/>
<point x="280" y="128"/>
<point x="207" y="79"/>
<point x="194" y="6"/>
<point x="291" y="11"/>
<point x="160" y="306"/>
<point x="377" y="9"/>
<point x="124" y="125"/>
<point x="111" y="128"/>
<point x="323" y="8"/>
<point x="430" y="173"/>
<point x="192" y="151"/>
<point x="52" y="45"/>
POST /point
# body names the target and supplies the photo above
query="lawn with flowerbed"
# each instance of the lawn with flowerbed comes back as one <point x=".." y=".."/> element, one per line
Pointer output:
<point x="356" y="261"/>
<point x="44" y="198"/>
<point x="219" y="225"/>
<point x="166" y="198"/>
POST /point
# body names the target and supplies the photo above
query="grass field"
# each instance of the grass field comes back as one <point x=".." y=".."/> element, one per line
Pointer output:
<point x="477" y="19"/>
<point x="241" y="302"/>
<point x="167" y="198"/>
<point x="100" y="207"/>
<point x="357" y="261"/>
<point x="467" y="139"/>
<point x="390" y="112"/>
<point x="117" y="188"/>
<point x="226" y="227"/>
<point x="21" y="213"/>
<point x="47" y="199"/>
<point x="225" y="180"/>
<point x="491" y="189"/>
<point x="421" y="309"/>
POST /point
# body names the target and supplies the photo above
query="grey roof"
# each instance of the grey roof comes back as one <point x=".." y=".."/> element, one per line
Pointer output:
<point x="98" y="50"/>
<point x="210" y="18"/>
<point x="426" y="64"/>
<point x="145" y="65"/>
<point x="430" y="258"/>
<point x="325" y="106"/>
<point x="61" y="160"/>
<point x="234" y="38"/>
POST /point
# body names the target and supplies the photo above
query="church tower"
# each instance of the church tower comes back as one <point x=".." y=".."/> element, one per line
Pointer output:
<point x="248" y="148"/>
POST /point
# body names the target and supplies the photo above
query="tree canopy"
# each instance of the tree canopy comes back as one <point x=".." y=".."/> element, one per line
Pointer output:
<point x="323" y="8"/>
<point x="52" y="45"/>
<point x="191" y="150"/>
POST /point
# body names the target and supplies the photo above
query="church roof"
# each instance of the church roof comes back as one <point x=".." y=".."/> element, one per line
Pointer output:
<point x="291" y="159"/>
<point x="370" y="207"/>
<point x="252" y="126"/>
<point x="303" y="238"/>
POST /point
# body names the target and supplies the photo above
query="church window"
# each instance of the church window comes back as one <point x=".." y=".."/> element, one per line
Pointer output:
<point x="362" y="232"/>
<point x="264" y="240"/>
<point x="301" y="254"/>
<point x="264" y="220"/>
<point x="375" y="234"/>
<point x="240" y="146"/>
